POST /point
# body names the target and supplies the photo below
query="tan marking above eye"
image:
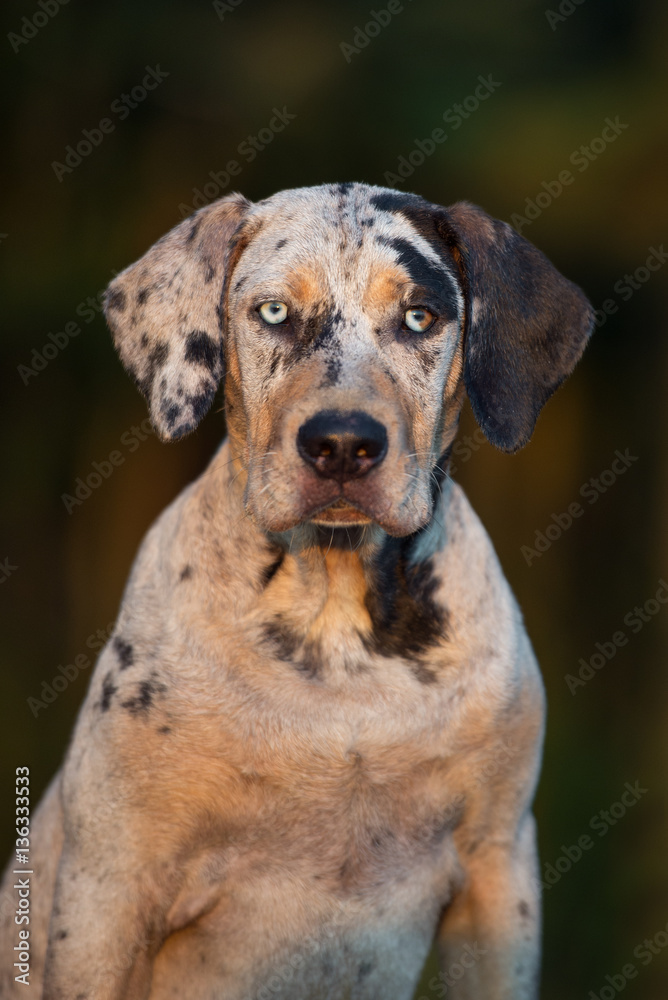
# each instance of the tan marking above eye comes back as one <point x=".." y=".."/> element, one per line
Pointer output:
<point x="273" y="312"/>
<point x="418" y="319"/>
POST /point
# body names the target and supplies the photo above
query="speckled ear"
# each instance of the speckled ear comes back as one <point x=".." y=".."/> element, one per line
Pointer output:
<point x="527" y="326"/>
<point x="165" y="314"/>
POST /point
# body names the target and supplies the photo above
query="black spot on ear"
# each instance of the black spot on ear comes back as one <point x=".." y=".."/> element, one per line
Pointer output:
<point x="115" y="299"/>
<point x="202" y="349"/>
<point x="156" y="359"/>
<point x="193" y="230"/>
<point x="109" y="689"/>
<point x="171" y="412"/>
<point x="144" y="340"/>
<point x="210" y="271"/>
<point x="281" y="243"/>
<point x="186" y="573"/>
<point x="200" y="404"/>
<point x="125" y="652"/>
<point x="524" y="909"/>
<point x="142" y="295"/>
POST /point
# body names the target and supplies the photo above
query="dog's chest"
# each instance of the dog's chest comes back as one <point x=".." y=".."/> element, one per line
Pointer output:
<point x="342" y="785"/>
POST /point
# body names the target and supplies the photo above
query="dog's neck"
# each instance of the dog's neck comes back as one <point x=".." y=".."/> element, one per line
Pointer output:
<point x="328" y="582"/>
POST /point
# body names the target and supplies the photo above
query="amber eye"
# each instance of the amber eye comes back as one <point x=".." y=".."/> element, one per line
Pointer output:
<point x="273" y="312"/>
<point x="419" y="319"/>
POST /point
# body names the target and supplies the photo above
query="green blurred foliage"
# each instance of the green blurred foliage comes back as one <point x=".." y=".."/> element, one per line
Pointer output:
<point x="62" y="240"/>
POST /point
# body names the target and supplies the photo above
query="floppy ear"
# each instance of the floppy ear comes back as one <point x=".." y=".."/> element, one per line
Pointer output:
<point x="165" y="314"/>
<point x="527" y="325"/>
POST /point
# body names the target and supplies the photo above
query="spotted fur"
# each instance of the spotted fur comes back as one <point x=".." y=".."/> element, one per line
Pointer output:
<point x="311" y="745"/>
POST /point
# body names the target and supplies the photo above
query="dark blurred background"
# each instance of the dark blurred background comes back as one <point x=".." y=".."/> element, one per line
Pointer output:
<point x="220" y="71"/>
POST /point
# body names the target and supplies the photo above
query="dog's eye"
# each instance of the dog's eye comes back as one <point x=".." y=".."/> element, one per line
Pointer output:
<point x="418" y="320"/>
<point x="273" y="312"/>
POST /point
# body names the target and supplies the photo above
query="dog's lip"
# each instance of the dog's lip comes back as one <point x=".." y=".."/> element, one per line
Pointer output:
<point x="340" y="510"/>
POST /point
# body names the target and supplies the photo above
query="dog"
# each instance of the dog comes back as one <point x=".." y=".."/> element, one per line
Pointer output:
<point x="310" y="747"/>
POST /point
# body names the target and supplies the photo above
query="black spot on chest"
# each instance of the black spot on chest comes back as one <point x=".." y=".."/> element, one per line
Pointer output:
<point x="109" y="689"/>
<point x="406" y="619"/>
<point x="124" y="652"/>
<point x="143" y="700"/>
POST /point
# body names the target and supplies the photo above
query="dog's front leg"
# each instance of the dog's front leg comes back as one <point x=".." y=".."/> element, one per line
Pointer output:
<point x="489" y="939"/>
<point x="104" y="932"/>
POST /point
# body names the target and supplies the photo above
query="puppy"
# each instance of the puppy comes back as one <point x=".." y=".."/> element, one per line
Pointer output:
<point x="311" y="745"/>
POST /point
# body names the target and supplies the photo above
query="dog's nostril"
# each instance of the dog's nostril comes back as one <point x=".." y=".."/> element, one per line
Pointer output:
<point x="342" y="445"/>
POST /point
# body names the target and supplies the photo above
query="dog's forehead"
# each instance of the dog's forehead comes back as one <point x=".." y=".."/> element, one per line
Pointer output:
<point x="341" y="234"/>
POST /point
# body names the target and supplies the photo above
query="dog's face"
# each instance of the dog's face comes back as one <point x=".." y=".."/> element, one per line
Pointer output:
<point x="349" y="320"/>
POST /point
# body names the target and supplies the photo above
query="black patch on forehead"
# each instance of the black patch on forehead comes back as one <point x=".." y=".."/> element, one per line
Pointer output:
<point x="431" y="222"/>
<point x="421" y="270"/>
<point x="395" y="201"/>
<point x="281" y="243"/>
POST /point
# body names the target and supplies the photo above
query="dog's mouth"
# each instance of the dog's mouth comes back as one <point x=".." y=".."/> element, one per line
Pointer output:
<point x="340" y="513"/>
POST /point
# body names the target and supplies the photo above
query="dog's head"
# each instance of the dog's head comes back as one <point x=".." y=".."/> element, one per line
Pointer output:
<point x="347" y="321"/>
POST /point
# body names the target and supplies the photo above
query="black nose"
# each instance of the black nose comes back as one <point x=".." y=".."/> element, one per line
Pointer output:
<point x="342" y="445"/>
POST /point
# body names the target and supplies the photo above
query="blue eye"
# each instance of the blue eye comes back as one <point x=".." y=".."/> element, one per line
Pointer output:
<point x="273" y="312"/>
<point x="419" y="319"/>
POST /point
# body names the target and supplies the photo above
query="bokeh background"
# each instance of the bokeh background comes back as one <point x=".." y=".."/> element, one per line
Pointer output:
<point x="558" y="76"/>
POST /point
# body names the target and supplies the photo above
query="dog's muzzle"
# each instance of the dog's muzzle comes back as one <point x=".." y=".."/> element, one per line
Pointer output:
<point x="342" y="446"/>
